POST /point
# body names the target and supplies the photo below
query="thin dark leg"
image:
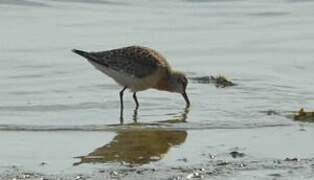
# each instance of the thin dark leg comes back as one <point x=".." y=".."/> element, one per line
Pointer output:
<point x="136" y="101"/>
<point x="121" y="104"/>
<point x="136" y="107"/>
<point x="135" y="115"/>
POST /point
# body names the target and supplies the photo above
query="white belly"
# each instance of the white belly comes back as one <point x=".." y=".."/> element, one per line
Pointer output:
<point x="126" y="80"/>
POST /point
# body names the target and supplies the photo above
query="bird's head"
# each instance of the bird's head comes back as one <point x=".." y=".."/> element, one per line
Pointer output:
<point x="179" y="83"/>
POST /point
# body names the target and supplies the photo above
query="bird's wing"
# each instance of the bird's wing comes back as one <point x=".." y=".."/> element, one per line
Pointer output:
<point x="135" y="61"/>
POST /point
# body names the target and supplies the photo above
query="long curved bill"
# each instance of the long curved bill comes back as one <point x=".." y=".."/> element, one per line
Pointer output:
<point x="186" y="99"/>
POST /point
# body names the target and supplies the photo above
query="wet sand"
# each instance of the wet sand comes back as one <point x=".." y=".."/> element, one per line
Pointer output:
<point x="134" y="153"/>
<point x="59" y="117"/>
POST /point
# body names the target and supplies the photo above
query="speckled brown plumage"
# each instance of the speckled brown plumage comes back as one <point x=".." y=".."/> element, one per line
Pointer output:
<point x="134" y="60"/>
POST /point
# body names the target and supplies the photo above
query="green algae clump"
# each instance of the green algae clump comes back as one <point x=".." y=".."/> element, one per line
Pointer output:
<point x="304" y="116"/>
<point x="219" y="81"/>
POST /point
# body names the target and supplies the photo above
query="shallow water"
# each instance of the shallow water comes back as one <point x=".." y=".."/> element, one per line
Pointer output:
<point x="55" y="106"/>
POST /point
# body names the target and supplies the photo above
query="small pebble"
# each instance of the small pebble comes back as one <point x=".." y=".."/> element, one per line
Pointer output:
<point x="236" y="154"/>
<point x="277" y="161"/>
<point x="183" y="160"/>
<point x="275" y="175"/>
<point x="177" y="178"/>
<point x="102" y="171"/>
<point x="78" y="178"/>
<point x="211" y="156"/>
<point x="194" y="175"/>
<point x="26" y="175"/>
<point x="223" y="163"/>
<point x="242" y="165"/>
<point x="271" y="112"/>
<point x="124" y="163"/>
<point x="139" y="172"/>
<point x="43" y="164"/>
<point x="291" y="159"/>
<point x="114" y="174"/>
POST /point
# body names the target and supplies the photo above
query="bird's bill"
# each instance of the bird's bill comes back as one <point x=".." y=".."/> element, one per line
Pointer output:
<point x="186" y="99"/>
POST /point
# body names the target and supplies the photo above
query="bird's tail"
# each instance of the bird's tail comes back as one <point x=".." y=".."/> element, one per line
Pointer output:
<point x="82" y="53"/>
<point x="91" y="57"/>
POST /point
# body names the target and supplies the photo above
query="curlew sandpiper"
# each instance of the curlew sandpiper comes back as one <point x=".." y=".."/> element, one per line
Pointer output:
<point x="138" y="68"/>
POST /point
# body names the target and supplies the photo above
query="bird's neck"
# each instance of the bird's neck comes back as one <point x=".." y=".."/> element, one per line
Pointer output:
<point x="165" y="83"/>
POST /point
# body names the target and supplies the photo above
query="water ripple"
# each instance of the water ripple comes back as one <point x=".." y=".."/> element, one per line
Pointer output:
<point x="210" y="1"/>
<point x="141" y="126"/>
<point x="22" y="3"/>
<point x="58" y="107"/>
<point x="90" y="2"/>
<point x="268" y="14"/>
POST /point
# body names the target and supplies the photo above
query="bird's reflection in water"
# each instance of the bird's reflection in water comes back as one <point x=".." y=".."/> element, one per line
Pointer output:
<point x="180" y="117"/>
<point x="137" y="146"/>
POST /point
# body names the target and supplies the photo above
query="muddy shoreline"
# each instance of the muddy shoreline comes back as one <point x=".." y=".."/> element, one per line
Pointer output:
<point x="257" y="153"/>
<point x="289" y="168"/>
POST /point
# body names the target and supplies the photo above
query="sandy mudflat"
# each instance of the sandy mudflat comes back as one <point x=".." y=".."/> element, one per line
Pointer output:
<point x="160" y="154"/>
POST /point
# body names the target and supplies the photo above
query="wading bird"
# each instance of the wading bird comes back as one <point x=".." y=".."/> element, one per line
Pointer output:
<point x="138" y="68"/>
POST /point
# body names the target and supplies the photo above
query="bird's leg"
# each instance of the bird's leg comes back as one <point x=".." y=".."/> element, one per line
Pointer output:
<point x="136" y="107"/>
<point x="121" y="104"/>
<point x="136" y="101"/>
<point x="135" y="115"/>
